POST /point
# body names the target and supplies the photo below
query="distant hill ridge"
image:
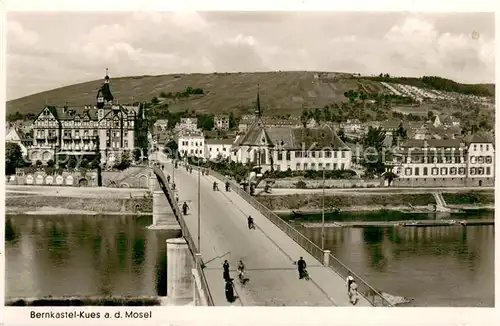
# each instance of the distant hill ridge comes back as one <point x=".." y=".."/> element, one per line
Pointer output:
<point x="281" y="92"/>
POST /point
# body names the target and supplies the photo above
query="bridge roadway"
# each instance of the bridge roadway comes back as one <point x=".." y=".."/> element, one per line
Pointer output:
<point x="268" y="253"/>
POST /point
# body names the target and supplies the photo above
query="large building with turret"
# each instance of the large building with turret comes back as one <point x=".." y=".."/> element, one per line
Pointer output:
<point x="106" y="128"/>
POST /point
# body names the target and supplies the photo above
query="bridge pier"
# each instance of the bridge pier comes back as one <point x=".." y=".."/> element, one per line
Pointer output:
<point x="163" y="215"/>
<point x="179" y="271"/>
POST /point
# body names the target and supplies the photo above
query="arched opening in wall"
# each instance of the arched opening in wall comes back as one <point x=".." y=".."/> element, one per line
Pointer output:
<point x="143" y="181"/>
<point x="46" y="156"/>
<point x="124" y="185"/>
<point x="83" y="183"/>
<point x="480" y="183"/>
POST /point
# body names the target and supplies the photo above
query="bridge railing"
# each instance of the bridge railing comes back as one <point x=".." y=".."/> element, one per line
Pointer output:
<point x="185" y="231"/>
<point x="372" y="295"/>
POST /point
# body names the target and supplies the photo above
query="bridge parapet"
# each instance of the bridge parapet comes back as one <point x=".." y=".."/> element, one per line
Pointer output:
<point x="323" y="256"/>
<point x="165" y="187"/>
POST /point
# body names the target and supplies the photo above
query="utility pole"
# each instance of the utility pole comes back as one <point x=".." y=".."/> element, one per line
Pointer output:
<point x="199" y="205"/>
<point x="323" y="214"/>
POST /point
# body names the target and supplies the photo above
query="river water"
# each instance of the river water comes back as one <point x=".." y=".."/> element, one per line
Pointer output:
<point x="116" y="255"/>
<point x="451" y="266"/>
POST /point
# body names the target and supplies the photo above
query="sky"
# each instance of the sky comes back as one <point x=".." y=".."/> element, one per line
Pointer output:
<point x="47" y="50"/>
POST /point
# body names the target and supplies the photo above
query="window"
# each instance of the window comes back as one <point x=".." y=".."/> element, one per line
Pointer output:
<point x="343" y="154"/>
<point x="280" y="155"/>
<point x="313" y="166"/>
<point x="480" y="171"/>
<point x="408" y="171"/>
<point x="320" y="165"/>
<point x="488" y="159"/>
<point x="434" y="171"/>
<point x="313" y="154"/>
<point x="335" y="166"/>
<point x="327" y="166"/>
<point x="461" y="171"/>
<point x="487" y="147"/>
<point x="480" y="159"/>
<point x="305" y="166"/>
<point x="223" y="149"/>
<point x="328" y="154"/>
<point x="288" y="156"/>
<point x="453" y="171"/>
<point x="417" y="171"/>
<point x="475" y="147"/>
<point x="472" y="171"/>
<point x="342" y="166"/>
<point x="473" y="159"/>
<point x="425" y="172"/>
<point x="125" y="143"/>
<point x="444" y="171"/>
<point x="481" y="147"/>
<point x="488" y="170"/>
<point x="297" y="154"/>
<point x="320" y="154"/>
<point x="398" y="171"/>
<point x="334" y="154"/>
<point x="297" y="166"/>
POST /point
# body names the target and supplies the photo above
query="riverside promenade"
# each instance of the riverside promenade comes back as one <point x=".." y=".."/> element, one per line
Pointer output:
<point x="268" y="253"/>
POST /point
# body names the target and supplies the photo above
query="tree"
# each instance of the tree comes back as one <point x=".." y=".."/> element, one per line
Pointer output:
<point x="232" y="121"/>
<point x="430" y="115"/>
<point x="342" y="135"/>
<point x="125" y="161"/>
<point x="155" y="100"/>
<point x="304" y="116"/>
<point x="374" y="156"/>
<point x="72" y="162"/>
<point x="172" y="148"/>
<point x="50" y="163"/>
<point x="13" y="158"/>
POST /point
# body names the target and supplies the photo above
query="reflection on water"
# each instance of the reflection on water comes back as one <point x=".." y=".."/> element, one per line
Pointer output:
<point x="436" y="266"/>
<point x="83" y="256"/>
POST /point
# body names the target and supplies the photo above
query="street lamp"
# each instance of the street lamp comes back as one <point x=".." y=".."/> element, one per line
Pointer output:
<point x="199" y="205"/>
<point x="323" y="214"/>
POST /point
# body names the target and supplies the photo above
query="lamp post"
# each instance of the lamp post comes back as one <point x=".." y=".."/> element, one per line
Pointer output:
<point x="323" y="214"/>
<point x="199" y="205"/>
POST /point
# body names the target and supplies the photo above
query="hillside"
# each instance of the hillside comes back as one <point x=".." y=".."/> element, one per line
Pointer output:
<point x="280" y="92"/>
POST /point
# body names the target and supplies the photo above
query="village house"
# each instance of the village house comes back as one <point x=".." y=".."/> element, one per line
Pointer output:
<point x="160" y="125"/>
<point x="188" y="124"/>
<point x="217" y="149"/>
<point x="106" y="128"/>
<point x="191" y="143"/>
<point x="221" y="122"/>
<point x="449" y="162"/>
<point x="17" y="137"/>
<point x="352" y="126"/>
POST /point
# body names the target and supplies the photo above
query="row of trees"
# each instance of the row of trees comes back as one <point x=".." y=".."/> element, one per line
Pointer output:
<point x="187" y="92"/>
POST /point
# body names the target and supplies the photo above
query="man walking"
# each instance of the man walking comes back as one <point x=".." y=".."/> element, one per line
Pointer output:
<point x="302" y="267"/>
<point x="225" y="274"/>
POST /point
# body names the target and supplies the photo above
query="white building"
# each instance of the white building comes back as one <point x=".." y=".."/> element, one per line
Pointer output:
<point x="191" y="143"/>
<point x="445" y="162"/>
<point x="291" y="148"/>
<point x="216" y="149"/>
<point x="160" y="125"/>
<point x="352" y="126"/>
<point x="14" y="137"/>
<point x="190" y="124"/>
<point x="221" y="122"/>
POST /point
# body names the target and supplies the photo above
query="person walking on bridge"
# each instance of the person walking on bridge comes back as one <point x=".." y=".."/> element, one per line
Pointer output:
<point x="225" y="274"/>
<point x="185" y="208"/>
<point x="301" y="264"/>
<point x="349" y="281"/>
<point x="251" y="225"/>
<point x="168" y="178"/>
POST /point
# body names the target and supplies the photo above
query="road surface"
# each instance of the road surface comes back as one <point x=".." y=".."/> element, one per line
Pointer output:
<point x="267" y="252"/>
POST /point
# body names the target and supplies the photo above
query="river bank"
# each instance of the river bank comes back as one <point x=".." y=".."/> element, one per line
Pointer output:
<point x="83" y="301"/>
<point x="82" y="201"/>
<point x="368" y="201"/>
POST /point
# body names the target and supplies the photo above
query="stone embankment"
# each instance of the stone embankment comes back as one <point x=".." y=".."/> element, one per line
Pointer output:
<point x="364" y="201"/>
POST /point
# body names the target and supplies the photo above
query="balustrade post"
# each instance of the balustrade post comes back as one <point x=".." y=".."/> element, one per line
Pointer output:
<point x="326" y="258"/>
